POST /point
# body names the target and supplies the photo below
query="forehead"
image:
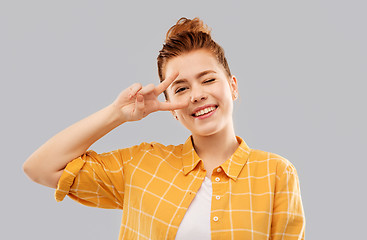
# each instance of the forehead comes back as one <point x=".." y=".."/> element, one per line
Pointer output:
<point x="189" y="64"/>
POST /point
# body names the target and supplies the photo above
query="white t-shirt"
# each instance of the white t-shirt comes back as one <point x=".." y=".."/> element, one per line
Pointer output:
<point x="196" y="222"/>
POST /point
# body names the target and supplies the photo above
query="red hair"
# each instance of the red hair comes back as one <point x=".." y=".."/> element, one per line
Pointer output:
<point x="185" y="36"/>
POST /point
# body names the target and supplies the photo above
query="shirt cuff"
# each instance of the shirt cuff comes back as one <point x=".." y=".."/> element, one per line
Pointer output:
<point x="67" y="178"/>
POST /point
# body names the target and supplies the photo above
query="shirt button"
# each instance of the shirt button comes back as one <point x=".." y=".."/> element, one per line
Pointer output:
<point x="217" y="197"/>
<point x="217" y="179"/>
<point x="219" y="169"/>
<point x="215" y="219"/>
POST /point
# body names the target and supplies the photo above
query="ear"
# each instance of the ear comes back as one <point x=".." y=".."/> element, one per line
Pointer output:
<point x="234" y="87"/>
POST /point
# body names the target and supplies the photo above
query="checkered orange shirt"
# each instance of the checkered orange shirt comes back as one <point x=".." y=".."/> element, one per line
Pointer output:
<point x="256" y="194"/>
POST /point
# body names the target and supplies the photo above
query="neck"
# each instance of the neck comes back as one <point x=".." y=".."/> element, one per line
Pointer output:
<point x="217" y="148"/>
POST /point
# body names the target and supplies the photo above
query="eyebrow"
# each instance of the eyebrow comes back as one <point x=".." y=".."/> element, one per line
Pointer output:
<point x="199" y="75"/>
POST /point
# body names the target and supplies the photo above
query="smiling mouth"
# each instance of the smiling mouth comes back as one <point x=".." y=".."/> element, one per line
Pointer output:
<point x="204" y="111"/>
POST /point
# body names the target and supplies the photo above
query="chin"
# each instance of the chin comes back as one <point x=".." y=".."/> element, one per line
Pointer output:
<point x="205" y="129"/>
<point x="206" y="132"/>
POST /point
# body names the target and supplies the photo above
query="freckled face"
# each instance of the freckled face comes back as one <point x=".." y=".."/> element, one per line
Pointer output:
<point x="204" y="84"/>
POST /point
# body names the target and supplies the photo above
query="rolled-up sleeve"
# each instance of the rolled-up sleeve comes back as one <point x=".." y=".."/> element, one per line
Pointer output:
<point x="94" y="180"/>
<point x="288" y="215"/>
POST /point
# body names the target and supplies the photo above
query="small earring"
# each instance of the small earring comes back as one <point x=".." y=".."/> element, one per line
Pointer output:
<point x="235" y="95"/>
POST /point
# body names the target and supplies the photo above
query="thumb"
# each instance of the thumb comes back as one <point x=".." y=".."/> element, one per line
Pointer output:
<point x="139" y="105"/>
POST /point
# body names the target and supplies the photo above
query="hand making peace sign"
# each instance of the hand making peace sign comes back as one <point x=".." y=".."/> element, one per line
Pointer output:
<point x="136" y="102"/>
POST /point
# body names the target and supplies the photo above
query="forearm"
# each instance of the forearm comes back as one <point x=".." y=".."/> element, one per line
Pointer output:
<point x="45" y="164"/>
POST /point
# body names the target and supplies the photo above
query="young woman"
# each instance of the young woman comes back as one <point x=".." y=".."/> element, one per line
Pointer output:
<point x="211" y="187"/>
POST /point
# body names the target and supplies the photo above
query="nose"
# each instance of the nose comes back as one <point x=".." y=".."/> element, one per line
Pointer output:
<point x="197" y="94"/>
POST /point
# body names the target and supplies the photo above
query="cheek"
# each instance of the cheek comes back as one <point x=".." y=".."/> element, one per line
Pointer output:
<point x="181" y="113"/>
<point x="178" y="98"/>
<point x="223" y="92"/>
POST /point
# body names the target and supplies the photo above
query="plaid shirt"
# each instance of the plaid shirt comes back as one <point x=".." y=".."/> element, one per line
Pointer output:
<point x="256" y="194"/>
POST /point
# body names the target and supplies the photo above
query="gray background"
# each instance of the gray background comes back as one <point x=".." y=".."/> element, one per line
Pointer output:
<point x="301" y="67"/>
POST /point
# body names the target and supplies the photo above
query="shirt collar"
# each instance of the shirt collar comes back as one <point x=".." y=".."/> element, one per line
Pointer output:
<point x="189" y="156"/>
<point x="232" y="167"/>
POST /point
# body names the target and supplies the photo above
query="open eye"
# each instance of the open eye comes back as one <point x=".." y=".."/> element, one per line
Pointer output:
<point x="180" y="89"/>
<point x="210" y="80"/>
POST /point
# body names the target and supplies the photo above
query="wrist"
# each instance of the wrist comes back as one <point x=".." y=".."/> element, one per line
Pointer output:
<point x="115" y="115"/>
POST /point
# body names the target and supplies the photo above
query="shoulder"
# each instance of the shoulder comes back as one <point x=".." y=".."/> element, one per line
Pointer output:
<point x="275" y="162"/>
<point x="153" y="148"/>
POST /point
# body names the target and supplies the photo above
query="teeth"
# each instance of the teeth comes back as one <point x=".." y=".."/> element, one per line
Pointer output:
<point x="204" y="111"/>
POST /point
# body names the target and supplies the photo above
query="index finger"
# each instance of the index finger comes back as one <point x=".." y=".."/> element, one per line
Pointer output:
<point x="165" y="83"/>
<point x="169" y="106"/>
